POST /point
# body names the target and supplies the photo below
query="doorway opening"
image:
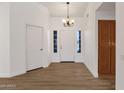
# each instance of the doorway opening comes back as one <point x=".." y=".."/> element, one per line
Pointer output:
<point x="68" y="45"/>
<point x="105" y="16"/>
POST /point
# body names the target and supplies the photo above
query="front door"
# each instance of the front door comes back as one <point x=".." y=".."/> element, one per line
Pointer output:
<point x="67" y="45"/>
<point x="34" y="47"/>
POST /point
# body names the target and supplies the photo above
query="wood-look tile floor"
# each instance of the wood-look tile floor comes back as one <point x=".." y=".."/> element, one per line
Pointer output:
<point x="64" y="76"/>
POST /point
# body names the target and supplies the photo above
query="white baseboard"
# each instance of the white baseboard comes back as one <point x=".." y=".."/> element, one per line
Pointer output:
<point x="95" y="75"/>
<point x="47" y="65"/>
<point x="8" y="75"/>
<point x="55" y="62"/>
<point x="5" y="75"/>
<point x="17" y="73"/>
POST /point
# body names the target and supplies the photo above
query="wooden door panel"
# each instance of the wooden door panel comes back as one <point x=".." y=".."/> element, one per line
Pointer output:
<point x="104" y="65"/>
<point x="112" y="47"/>
<point x="106" y="40"/>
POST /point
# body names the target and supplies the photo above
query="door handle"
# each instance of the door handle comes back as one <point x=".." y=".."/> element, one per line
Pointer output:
<point x="41" y="49"/>
<point x="112" y="43"/>
<point x="109" y="42"/>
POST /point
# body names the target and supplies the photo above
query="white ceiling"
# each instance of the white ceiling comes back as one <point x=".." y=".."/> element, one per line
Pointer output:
<point x="59" y="9"/>
<point x="107" y="6"/>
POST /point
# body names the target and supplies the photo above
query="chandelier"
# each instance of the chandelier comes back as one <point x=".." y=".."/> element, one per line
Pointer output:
<point x="67" y="22"/>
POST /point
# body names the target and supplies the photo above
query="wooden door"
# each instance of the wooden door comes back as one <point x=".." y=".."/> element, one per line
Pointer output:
<point x="106" y="38"/>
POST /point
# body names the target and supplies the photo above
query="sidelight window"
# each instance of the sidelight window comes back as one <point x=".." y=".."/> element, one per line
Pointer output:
<point x="79" y="41"/>
<point x="55" y="41"/>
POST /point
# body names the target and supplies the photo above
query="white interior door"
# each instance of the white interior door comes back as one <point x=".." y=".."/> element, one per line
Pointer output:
<point x="34" y="47"/>
<point x="67" y="45"/>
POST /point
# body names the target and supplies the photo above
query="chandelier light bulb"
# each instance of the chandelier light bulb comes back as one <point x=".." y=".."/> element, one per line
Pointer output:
<point x="63" y="20"/>
<point x="68" y="22"/>
<point x="72" y="21"/>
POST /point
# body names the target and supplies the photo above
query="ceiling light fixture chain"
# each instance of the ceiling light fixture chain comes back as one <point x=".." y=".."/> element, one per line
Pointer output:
<point x="67" y="9"/>
<point x="67" y="22"/>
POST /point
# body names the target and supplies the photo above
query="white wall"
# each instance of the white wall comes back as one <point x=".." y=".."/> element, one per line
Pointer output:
<point x="56" y="24"/>
<point x="4" y="40"/>
<point x="106" y="15"/>
<point x="20" y="15"/>
<point x="119" y="46"/>
<point x="14" y="18"/>
<point x="91" y="38"/>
